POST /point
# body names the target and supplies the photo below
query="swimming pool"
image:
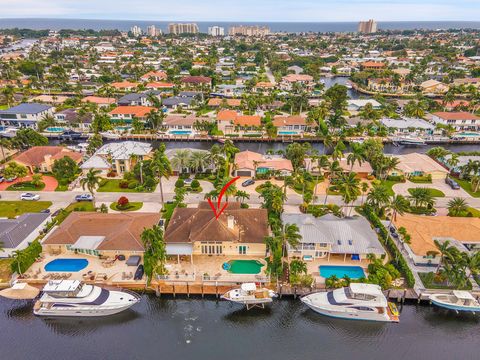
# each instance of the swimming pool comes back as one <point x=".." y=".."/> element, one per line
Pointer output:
<point x="54" y="129"/>
<point x="66" y="265"/>
<point x="245" y="266"/>
<point x="353" y="272"/>
<point x="287" y="133"/>
<point x="180" y="132"/>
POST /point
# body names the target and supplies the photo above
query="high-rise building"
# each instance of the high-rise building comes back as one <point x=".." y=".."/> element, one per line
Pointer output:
<point x="367" y="27"/>
<point x="216" y="31"/>
<point x="153" y="31"/>
<point x="176" y="28"/>
<point x="136" y="30"/>
<point x="249" y="30"/>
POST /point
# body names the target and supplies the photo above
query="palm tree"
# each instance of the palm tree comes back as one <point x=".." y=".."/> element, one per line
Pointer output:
<point x="333" y="170"/>
<point x="8" y="92"/>
<point x="452" y="162"/>
<point x="364" y="187"/>
<point x="212" y="195"/>
<point x="475" y="183"/>
<point x="457" y="206"/>
<point x="181" y="160"/>
<point x="443" y="248"/>
<point x="291" y="236"/>
<point x="378" y="197"/>
<point x="357" y="155"/>
<point x="421" y="197"/>
<point x="322" y="164"/>
<point x="91" y="180"/>
<point x="230" y="191"/>
<point x="242" y="196"/>
<point x="349" y="187"/>
<point x="199" y="160"/>
<point x="398" y="205"/>
<point x="161" y="168"/>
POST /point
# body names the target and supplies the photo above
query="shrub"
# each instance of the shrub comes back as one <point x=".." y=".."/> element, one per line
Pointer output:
<point x="370" y="177"/>
<point x="179" y="183"/>
<point x="122" y="202"/>
<point x="111" y="173"/>
<point x="26" y="257"/>
<point x="195" y="184"/>
<point x="132" y="184"/>
<point x="123" y="184"/>
<point x="398" y="178"/>
<point x="149" y="182"/>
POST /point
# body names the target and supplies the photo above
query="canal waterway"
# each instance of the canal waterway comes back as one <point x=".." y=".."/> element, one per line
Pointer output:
<point x="204" y="329"/>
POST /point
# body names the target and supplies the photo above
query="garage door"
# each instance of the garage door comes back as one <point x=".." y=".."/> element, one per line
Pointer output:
<point x="244" y="173"/>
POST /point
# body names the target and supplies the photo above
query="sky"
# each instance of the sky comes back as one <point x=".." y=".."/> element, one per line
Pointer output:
<point x="246" y="10"/>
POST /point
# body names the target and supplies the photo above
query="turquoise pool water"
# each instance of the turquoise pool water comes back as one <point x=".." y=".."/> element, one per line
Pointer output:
<point x="472" y="134"/>
<point x="66" y="265"/>
<point x="287" y="133"/>
<point x="353" y="272"/>
<point x="180" y="132"/>
<point x="55" y="129"/>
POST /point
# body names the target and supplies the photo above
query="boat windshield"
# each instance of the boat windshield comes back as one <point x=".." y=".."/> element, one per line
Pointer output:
<point x="357" y="296"/>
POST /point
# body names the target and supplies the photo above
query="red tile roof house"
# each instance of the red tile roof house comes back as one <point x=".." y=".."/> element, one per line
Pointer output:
<point x="43" y="157"/>
<point x="249" y="163"/>
<point x="126" y="114"/>
<point x="154" y="76"/>
<point x="230" y="121"/>
<point x="185" y="124"/>
<point x="306" y="81"/>
<point x="372" y="65"/>
<point x="362" y="171"/>
<point x="291" y="125"/>
<point x="196" y="82"/>
<point x="100" y="101"/>
<point x="162" y="86"/>
<point x="460" y="120"/>
<point x="124" y="86"/>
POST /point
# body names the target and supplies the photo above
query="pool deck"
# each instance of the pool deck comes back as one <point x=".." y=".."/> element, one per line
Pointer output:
<point x="312" y="266"/>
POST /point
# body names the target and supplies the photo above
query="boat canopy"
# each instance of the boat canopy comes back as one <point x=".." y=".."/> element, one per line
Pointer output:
<point x="463" y="295"/>
<point x="249" y="287"/>
<point x="20" y="291"/>
<point x="61" y="286"/>
<point x="370" y="289"/>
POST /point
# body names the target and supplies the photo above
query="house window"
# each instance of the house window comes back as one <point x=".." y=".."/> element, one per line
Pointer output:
<point x="242" y="250"/>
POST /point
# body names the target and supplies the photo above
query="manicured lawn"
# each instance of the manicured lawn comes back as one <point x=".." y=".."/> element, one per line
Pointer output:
<point x="465" y="184"/>
<point x="167" y="211"/>
<point x="5" y="272"/>
<point x="132" y="206"/>
<point x="433" y="192"/>
<point x="12" y="209"/>
<point x="428" y="280"/>
<point x="309" y="186"/>
<point x="113" y="185"/>
<point x="471" y="212"/>
<point x="76" y="206"/>
<point x="389" y="185"/>
<point x="25" y="186"/>
<point x="3" y="107"/>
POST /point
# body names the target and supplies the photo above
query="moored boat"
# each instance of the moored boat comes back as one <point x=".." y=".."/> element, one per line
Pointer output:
<point x="409" y="141"/>
<point x="74" y="298"/>
<point x="456" y="300"/>
<point x="250" y="295"/>
<point x="355" y="302"/>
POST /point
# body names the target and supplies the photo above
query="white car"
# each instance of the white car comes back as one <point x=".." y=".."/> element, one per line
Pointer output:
<point x="29" y="197"/>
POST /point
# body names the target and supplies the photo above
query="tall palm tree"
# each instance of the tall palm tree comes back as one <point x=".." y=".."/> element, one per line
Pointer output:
<point x="421" y="197"/>
<point x="357" y="155"/>
<point x="378" y="197"/>
<point x="242" y="196"/>
<point x="322" y="164"/>
<point x="443" y="248"/>
<point x="230" y="191"/>
<point x="457" y="206"/>
<point x="199" y="160"/>
<point x="181" y="160"/>
<point x="161" y="168"/>
<point x="349" y="187"/>
<point x="398" y="205"/>
<point x="91" y="180"/>
<point x="291" y="236"/>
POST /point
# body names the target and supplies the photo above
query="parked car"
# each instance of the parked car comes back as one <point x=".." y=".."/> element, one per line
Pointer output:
<point x="248" y="182"/>
<point x="84" y="197"/>
<point x="29" y="197"/>
<point x="161" y="224"/>
<point x="2" y="179"/>
<point x="393" y="232"/>
<point x="453" y="184"/>
<point x="187" y="181"/>
<point x="11" y="179"/>
<point x="45" y="211"/>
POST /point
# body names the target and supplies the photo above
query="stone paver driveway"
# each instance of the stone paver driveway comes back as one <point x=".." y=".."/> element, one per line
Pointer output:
<point x="402" y="188"/>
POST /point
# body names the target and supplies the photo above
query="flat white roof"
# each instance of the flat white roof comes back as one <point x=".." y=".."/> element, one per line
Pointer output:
<point x="88" y="242"/>
<point x="61" y="286"/>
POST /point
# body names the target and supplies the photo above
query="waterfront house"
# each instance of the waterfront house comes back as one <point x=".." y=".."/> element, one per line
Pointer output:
<point x="41" y="158"/>
<point x="95" y="234"/>
<point x="462" y="161"/>
<point x="237" y="231"/>
<point x="25" y="114"/>
<point x="433" y="87"/>
<point x="175" y="102"/>
<point x="362" y="170"/>
<point x="461" y="232"/>
<point x="16" y="234"/>
<point x="183" y="124"/>
<point x="120" y="156"/>
<point x="408" y="126"/>
<point x="73" y="118"/>
<point x="359" y="104"/>
<point x="302" y="80"/>
<point x="460" y="120"/>
<point x="139" y="99"/>
<point x="291" y="125"/>
<point x="101" y="102"/>
<point x="249" y="163"/>
<point x="372" y="65"/>
<point x="415" y="164"/>
<point x="333" y="238"/>
<point x="126" y="114"/>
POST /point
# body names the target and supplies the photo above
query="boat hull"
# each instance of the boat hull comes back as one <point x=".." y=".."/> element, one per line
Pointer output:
<point x="79" y="312"/>
<point x="455" y="307"/>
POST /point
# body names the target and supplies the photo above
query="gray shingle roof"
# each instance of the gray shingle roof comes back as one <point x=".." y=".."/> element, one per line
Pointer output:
<point x="31" y="108"/>
<point x="14" y="231"/>
<point x="351" y="235"/>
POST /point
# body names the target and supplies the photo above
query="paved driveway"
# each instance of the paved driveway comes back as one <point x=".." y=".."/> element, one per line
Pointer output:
<point x="402" y="188"/>
<point x="50" y="182"/>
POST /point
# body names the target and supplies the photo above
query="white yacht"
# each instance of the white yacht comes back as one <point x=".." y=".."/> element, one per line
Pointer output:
<point x="250" y="295"/>
<point x="110" y="135"/>
<point x="357" y="302"/>
<point x="74" y="298"/>
<point x="409" y="141"/>
<point x="456" y="300"/>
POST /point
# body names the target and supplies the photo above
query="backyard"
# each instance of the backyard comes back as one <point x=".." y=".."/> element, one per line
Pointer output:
<point x="12" y="209"/>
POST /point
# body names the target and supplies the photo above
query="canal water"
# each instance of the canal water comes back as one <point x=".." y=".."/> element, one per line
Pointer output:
<point x="206" y="329"/>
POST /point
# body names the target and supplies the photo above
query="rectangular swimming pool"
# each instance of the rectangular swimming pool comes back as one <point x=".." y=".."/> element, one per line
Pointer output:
<point x="353" y="272"/>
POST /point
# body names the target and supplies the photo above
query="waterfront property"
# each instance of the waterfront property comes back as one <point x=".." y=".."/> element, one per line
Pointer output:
<point x="290" y="125"/>
<point x="460" y="120"/>
<point x="249" y="163"/>
<point x="333" y="238"/>
<point x="126" y="114"/>
<point x="416" y="164"/>
<point x="25" y="115"/>
<point x="461" y="232"/>
<point x="362" y="170"/>
<point x="41" y="158"/>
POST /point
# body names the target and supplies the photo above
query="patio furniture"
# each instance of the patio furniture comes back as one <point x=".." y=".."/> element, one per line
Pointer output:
<point x="121" y="257"/>
<point x="133" y="260"/>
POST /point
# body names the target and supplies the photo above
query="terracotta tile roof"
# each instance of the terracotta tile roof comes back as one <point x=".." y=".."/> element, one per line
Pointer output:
<point x="457" y="115"/>
<point x="248" y="120"/>
<point x="35" y="156"/>
<point x="188" y="225"/>
<point x="162" y="75"/>
<point x="264" y="84"/>
<point x="121" y="231"/>
<point x="425" y="229"/>
<point x="98" y="100"/>
<point x="289" y="120"/>
<point x="197" y="80"/>
<point x="297" y="77"/>
<point x="219" y="101"/>
<point x="138" y="111"/>
<point x="227" y="115"/>
<point x="245" y="160"/>
<point x="373" y="64"/>
<point x="124" y="85"/>
<point x="159" y="85"/>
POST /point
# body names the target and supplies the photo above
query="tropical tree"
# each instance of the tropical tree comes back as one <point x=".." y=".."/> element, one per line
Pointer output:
<point x="37" y="180"/>
<point x="15" y="170"/>
<point x="161" y="167"/>
<point x="155" y="253"/>
<point x="357" y="155"/>
<point x="242" y="196"/>
<point x="398" y="206"/>
<point x="199" y="160"/>
<point x="90" y="180"/>
<point x="290" y="236"/>
<point x="421" y="197"/>
<point x="349" y="187"/>
<point x="181" y="160"/>
<point x="457" y="206"/>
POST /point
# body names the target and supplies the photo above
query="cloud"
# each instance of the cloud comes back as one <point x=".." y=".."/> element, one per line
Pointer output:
<point x="246" y="10"/>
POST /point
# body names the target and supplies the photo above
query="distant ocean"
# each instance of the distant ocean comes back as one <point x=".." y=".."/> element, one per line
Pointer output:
<point x="289" y="27"/>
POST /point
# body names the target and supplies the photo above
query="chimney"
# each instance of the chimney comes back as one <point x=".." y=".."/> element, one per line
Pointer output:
<point x="230" y="222"/>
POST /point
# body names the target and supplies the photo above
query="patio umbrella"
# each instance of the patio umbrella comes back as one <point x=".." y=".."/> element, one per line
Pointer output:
<point x="20" y="291"/>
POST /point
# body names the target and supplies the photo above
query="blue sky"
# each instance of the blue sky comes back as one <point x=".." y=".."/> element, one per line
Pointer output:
<point x="246" y="10"/>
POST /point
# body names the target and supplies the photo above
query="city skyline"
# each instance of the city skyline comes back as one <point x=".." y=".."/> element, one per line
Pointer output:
<point x="247" y="10"/>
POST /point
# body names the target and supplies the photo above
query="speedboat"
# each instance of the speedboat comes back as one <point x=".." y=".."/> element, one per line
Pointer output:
<point x="75" y="298"/>
<point x="356" y="302"/>
<point x="456" y="300"/>
<point x="250" y="295"/>
<point x="410" y="141"/>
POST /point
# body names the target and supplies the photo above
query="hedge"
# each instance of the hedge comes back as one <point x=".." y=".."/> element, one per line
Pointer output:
<point x="26" y="257"/>
<point x="387" y="241"/>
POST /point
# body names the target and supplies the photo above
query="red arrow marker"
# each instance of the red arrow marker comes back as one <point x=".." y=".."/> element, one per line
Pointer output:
<point x="218" y="211"/>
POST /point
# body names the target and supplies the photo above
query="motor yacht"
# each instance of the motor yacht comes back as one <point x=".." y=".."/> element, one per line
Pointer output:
<point x="75" y="298"/>
<point x="409" y="141"/>
<point x="357" y="301"/>
<point x="456" y="300"/>
<point x="250" y="295"/>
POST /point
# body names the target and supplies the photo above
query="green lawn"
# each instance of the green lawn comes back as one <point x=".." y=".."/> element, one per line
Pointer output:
<point x="465" y="184"/>
<point x="471" y="212"/>
<point x="12" y="209"/>
<point x="428" y="280"/>
<point x="76" y="206"/>
<point x="389" y="185"/>
<point x="132" y="206"/>
<point x="62" y="187"/>
<point x="309" y="186"/>
<point x="113" y="185"/>
<point x="25" y="186"/>
<point x="167" y="211"/>
<point x="5" y="272"/>
<point x="433" y="192"/>
<point x="3" y="107"/>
